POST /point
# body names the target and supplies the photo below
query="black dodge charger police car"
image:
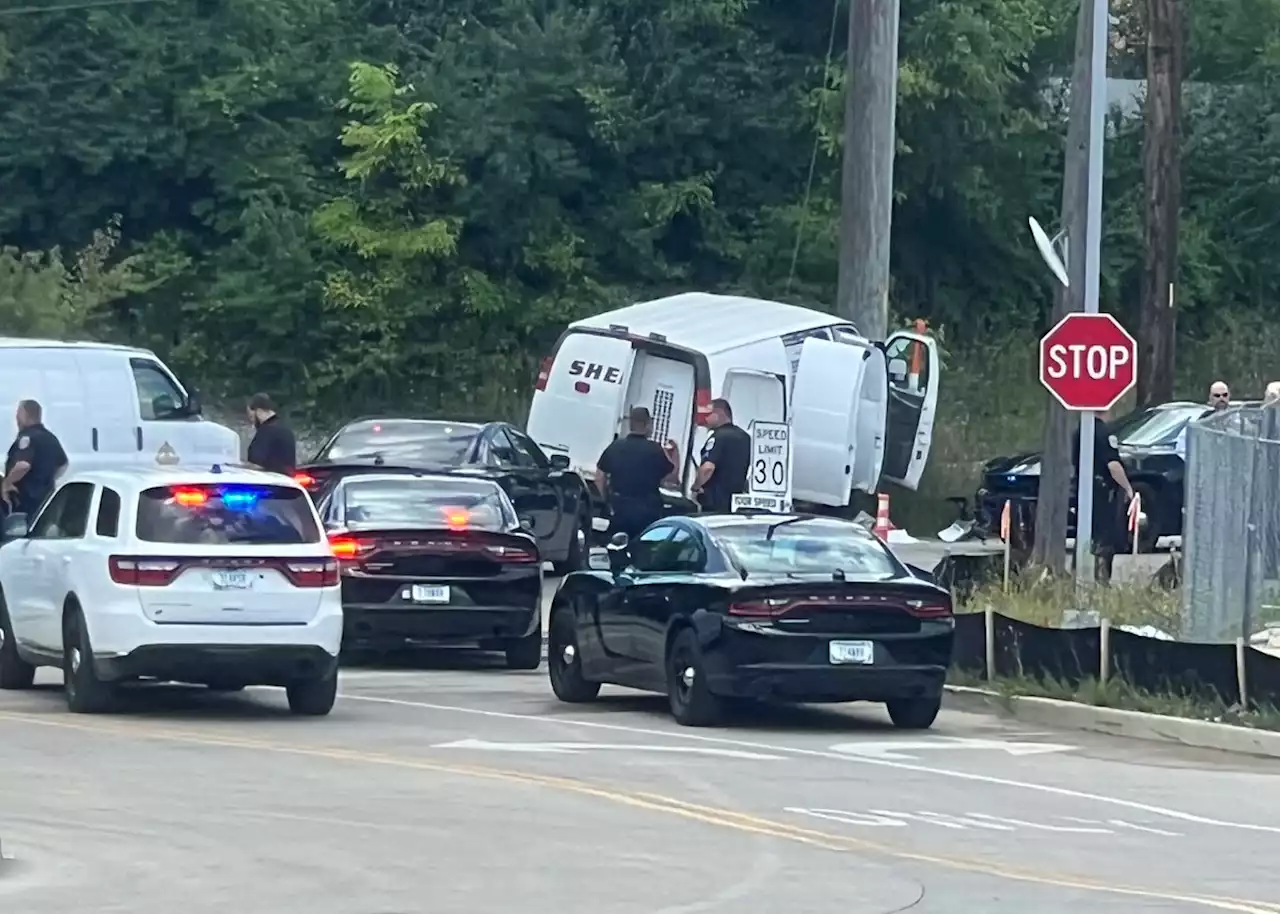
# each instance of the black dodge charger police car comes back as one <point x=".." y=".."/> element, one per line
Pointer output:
<point x="551" y="500"/>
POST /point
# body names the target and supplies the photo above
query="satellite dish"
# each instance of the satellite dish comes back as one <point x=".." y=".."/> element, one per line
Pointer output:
<point x="1045" y="245"/>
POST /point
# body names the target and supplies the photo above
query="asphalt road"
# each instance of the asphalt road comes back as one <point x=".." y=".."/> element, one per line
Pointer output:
<point x="457" y="786"/>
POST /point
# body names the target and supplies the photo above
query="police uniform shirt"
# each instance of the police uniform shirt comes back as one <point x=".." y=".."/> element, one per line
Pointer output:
<point x="41" y="449"/>
<point x="1105" y="451"/>
<point x="729" y="448"/>
<point x="636" y="466"/>
<point x="273" y="447"/>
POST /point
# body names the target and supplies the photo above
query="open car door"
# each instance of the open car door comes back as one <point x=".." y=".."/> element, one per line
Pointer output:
<point x="829" y="420"/>
<point x="913" y="372"/>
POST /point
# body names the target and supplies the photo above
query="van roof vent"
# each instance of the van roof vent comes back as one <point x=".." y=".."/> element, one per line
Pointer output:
<point x="619" y="328"/>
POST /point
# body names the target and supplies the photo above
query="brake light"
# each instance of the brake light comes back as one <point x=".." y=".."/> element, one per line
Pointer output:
<point x="134" y="571"/>
<point x="702" y="406"/>
<point x="306" y="480"/>
<point x="923" y="610"/>
<point x="349" y="548"/>
<point x="761" y="609"/>
<point x="457" y="518"/>
<point x="512" y="554"/>
<point x="544" y="373"/>
<point x="190" y="498"/>
<point x="311" y="573"/>
<point x="779" y="606"/>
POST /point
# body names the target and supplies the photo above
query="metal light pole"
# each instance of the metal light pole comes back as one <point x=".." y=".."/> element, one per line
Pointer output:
<point x="1092" y="269"/>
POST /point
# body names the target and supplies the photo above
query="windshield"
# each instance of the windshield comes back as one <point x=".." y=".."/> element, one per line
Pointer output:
<point x="418" y="443"/>
<point x="811" y="546"/>
<point x="1155" y="426"/>
<point x="416" y="504"/>
<point x="222" y="515"/>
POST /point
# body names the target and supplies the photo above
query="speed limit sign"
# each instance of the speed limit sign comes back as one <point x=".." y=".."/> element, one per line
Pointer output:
<point x="770" y="472"/>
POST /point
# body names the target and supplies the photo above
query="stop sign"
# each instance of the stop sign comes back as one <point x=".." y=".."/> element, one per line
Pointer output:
<point x="1088" y="361"/>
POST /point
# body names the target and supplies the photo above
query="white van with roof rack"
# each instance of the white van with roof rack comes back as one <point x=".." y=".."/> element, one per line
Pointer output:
<point x="859" y="411"/>
<point x="109" y="405"/>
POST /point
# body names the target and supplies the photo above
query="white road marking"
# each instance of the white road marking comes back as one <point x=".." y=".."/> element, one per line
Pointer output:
<point x="1022" y="823"/>
<point x="572" y="748"/>
<point x="849" y="818"/>
<point x="1120" y="823"/>
<point x="818" y="753"/>
<point x="897" y="749"/>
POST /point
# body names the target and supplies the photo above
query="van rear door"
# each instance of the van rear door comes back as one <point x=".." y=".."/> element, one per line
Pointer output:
<point x="913" y="373"/>
<point x="824" y="421"/>
<point x="578" y="408"/>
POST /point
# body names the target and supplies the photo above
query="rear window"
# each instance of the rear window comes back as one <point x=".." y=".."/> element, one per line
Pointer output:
<point x="805" y="547"/>
<point x="226" y="515"/>
<point x="426" y="503"/>
<point x="427" y="443"/>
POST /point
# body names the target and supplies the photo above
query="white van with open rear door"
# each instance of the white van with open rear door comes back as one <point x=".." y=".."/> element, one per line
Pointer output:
<point x="859" y="411"/>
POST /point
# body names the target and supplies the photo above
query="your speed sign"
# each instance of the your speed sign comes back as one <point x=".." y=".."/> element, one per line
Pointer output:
<point x="770" y="472"/>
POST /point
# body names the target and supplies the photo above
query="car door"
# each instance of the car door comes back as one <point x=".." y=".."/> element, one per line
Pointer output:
<point x="615" y="617"/>
<point x="569" y="492"/>
<point x="529" y="488"/>
<point x="825" y="400"/>
<point x="914" y="365"/>
<point x="59" y="529"/>
<point x="656" y="597"/>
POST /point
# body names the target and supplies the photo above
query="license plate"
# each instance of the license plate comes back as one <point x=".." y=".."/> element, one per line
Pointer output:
<point x="232" y="580"/>
<point x="850" y="651"/>
<point x="430" y="593"/>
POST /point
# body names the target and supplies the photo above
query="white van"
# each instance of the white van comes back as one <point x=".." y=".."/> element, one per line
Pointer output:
<point x="108" y="405"/>
<point x="858" y="410"/>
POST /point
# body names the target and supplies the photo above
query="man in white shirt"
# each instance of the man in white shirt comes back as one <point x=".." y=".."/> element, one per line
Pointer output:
<point x="1219" y="399"/>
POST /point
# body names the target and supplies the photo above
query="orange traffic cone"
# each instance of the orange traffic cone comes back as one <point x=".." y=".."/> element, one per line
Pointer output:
<point x="883" y="525"/>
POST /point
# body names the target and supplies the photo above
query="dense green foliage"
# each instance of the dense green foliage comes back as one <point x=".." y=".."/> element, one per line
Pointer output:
<point x="345" y="200"/>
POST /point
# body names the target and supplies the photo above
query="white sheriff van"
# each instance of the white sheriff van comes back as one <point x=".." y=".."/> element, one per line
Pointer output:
<point x="109" y="405"/>
<point x="859" y="411"/>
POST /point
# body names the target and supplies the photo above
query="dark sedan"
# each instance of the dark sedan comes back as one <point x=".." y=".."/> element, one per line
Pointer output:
<point x="434" y="559"/>
<point x="1147" y="441"/>
<point x="548" y="497"/>
<point x="794" y="608"/>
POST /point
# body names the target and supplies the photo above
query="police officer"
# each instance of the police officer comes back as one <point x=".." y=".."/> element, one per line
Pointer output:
<point x="726" y="460"/>
<point x="1112" y="493"/>
<point x="273" y="447"/>
<point x="36" y="460"/>
<point x="629" y="474"/>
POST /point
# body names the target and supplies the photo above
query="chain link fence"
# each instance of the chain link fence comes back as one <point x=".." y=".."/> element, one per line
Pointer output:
<point x="1231" y="525"/>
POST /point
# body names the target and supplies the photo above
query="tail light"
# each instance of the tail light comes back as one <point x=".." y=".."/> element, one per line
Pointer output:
<point x="132" y="571"/>
<point x="923" y="610"/>
<point x="762" y="609"/>
<point x="513" y="554"/>
<point x="702" y="406"/>
<point x="779" y="606"/>
<point x="311" y="572"/>
<point x="350" y="548"/>
<point x="544" y="373"/>
<point x="306" y="480"/>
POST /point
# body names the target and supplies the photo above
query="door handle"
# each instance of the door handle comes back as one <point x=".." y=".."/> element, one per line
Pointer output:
<point x="137" y="434"/>
<point x="94" y="437"/>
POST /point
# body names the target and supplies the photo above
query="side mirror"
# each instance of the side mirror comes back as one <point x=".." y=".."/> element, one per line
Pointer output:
<point x="619" y="552"/>
<point x="15" y="527"/>
<point x="526" y="524"/>
<point x="195" y="406"/>
<point x="898" y="369"/>
<point x="559" y="461"/>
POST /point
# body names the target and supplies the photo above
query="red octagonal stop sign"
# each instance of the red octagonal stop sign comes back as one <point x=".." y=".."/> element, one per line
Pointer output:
<point x="1088" y="361"/>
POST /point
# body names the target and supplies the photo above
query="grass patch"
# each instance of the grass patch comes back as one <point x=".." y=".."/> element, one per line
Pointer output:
<point x="1046" y="602"/>
<point x="1116" y="693"/>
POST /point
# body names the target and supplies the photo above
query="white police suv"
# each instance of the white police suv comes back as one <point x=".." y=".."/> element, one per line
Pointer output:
<point x="220" y="576"/>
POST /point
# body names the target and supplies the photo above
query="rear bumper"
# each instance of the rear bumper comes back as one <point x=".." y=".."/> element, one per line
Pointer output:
<point x="374" y="626"/>
<point x="234" y="664"/>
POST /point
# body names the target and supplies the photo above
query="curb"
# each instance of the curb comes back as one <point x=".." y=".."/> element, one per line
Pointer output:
<point x="1159" y="728"/>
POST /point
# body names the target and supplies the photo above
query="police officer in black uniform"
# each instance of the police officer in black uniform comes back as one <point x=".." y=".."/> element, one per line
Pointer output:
<point x="726" y="460"/>
<point x="1112" y="493"/>
<point x="629" y="474"/>
<point x="273" y="447"/>
<point x="36" y="460"/>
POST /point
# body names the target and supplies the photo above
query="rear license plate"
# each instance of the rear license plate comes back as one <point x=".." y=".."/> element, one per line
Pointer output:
<point x="850" y="651"/>
<point x="232" y="580"/>
<point x="430" y="593"/>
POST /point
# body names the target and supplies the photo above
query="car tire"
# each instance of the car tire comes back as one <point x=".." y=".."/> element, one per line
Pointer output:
<point x="15" y="673"/>
<point x="313" y="697"/>
<point x="576" y="560"/>
<point x="564" y="663"/>
<point x="85" y="692"/>
<point x="914" y="713"/>
<point x="525" y="653"/>
<point x="693" y="704"/>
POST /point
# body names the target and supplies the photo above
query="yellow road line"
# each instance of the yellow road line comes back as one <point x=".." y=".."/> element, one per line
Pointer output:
<point x="719" y="817"/>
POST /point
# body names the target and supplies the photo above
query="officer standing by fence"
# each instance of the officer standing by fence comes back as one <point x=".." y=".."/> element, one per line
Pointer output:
<point x="631" y="471"/>
<point x="726" y="460"/>
<point x="1112" y="493"/>
<point x="34" y="463"/>
<point x="273" y="447"/>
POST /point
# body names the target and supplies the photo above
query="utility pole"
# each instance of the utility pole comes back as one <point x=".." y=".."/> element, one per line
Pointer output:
<point x="870" y="137"/>
<point x="1053" y="499"/>
<point x="1162" y="180"/>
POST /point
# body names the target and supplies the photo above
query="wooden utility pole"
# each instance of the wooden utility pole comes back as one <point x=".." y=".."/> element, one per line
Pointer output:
<point x="1162" y="180"/>
<point x="1053" y="499"/>
<point x="866" y="206"/>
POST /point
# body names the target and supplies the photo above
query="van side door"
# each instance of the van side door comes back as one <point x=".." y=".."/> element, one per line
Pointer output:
<point x="166" y="418"/>
<point x="914" y="367"/>
<point x="111" y="407"/>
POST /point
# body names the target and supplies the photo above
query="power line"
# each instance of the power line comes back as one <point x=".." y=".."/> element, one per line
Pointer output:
<point x="73" y="7"/>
